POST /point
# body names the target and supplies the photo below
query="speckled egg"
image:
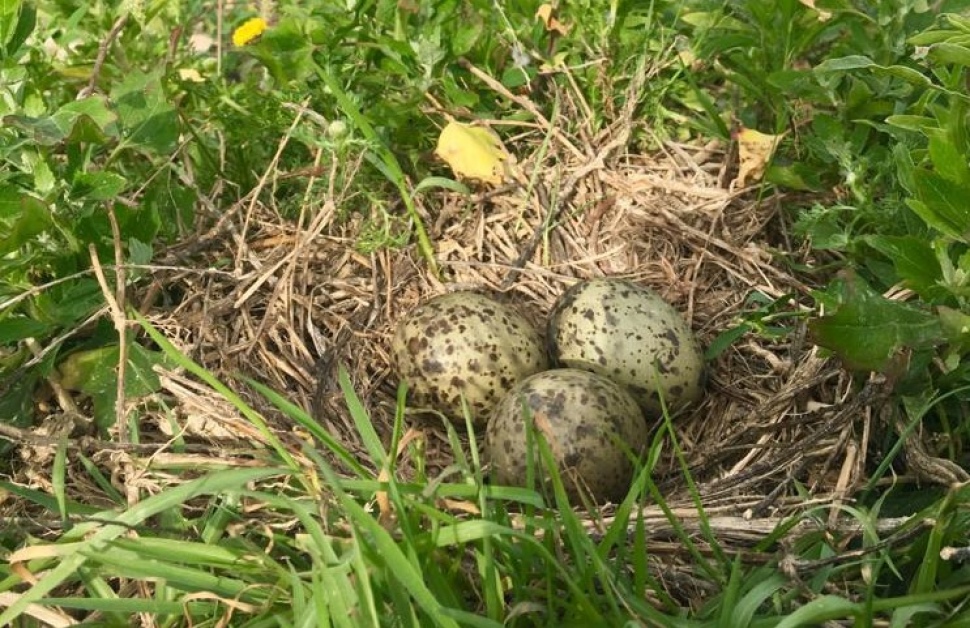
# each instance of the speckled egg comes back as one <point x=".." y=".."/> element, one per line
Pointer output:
<point x="631" y="335"/>
<point x="592" y="425"/>
<point x="464" y="344"/>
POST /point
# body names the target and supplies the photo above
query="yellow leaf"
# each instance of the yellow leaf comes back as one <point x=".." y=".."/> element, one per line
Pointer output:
<point x="544" y="13"/>
<point x="190" y="75"/>
<point x="473" y="152"/>
<point x="755" y="150"/>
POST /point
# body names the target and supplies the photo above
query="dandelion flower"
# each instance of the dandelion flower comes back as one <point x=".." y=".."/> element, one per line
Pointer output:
<point x="250" y="30"/>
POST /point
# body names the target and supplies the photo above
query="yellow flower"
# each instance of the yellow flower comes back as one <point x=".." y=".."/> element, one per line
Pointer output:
<point x="250" y="30"/>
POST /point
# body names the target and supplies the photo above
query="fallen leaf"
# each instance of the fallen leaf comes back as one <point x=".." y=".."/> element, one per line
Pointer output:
<point x="473" y="152"/>
<point x="544" y="13"/>
<point x="456" y="505"/>
<point x="201" y="43"/>
<point x="190" y="75"/>
<point x="755" y="150"/>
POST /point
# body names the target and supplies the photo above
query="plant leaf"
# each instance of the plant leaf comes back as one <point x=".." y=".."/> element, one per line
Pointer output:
<point x="868" y="330"/>
<point x="148" y="117"/>
<point x="945" y="53"/>
<point x="94" y="372"/>
<point x="755" y="150"/>
<point x="22" y="217"/>
<point x="941" y="203"/>
<point x="915" y="262"/>
<point x="473" y="152"/>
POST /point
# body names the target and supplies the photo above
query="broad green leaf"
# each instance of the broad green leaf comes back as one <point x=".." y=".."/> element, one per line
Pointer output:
<point x="929" y="38"/>
<point x="146" y="114"/>
<point x="942" y="204"/>
<point x="86" y="120"/>
<point x="906" y="616"/>
<point x="867" y="330"/>
<point x="843" y="64"/>
<point x="170" y="206"/>
<point x="795" y="83"/>
<point x="915" y="262"/>
<point x="285" y="51"/>
<point x="98" y="186"/>
<point x="16" y="329"/>
<point x="141" y="221"/>
<point x="946" y="153"/>
<point x="95" y="372"/>
<point x="915" y="77"/>
<point x="43" y="131"/>
<point x="96" y="120"/>
<point x="794" y="176"/>
<point x="956" y="21"/>
<point x="17" y="409"/>
<point x="9" y="7"/>
<point x="66" y="306"/>
<point x="17" y="406"/>
<point x="949" y="53"/>
<point x="956" y="326"/>
<point x="859" y="62"/>
<point x="139" y="252"/>
<point x="905" y="167"/>
<point x="428" y="50"/>
<point x="45" y="181"/>
<point x="22" y="217"/>
<point x="467" y="36"/>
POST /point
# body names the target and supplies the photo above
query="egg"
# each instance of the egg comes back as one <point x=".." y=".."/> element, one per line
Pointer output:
<point x="629" y="334"/>
<point x="465" y="345"/>
<point x="593" y="426"/>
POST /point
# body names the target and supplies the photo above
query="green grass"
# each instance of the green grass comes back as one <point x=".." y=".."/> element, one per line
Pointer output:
<point x="873" y="98"/>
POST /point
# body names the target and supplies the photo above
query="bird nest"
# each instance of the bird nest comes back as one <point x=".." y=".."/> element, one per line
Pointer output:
<point x="304" y="300"/>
